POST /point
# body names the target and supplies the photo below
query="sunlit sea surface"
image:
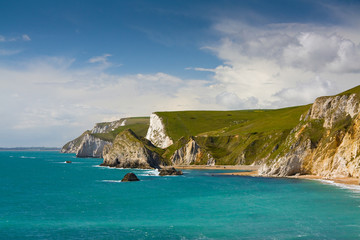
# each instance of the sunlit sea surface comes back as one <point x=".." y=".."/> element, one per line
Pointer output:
<point x="42" y="197"/>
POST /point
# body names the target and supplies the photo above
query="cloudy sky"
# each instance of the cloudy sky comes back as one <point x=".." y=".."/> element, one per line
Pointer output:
<point x="66" y="65"/>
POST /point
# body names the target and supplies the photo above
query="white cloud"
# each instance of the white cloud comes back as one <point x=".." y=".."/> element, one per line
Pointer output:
<point x="282" y="64"/>
<point x="6" y="52"/>
<point x="100" y="59"/>
<point x="23" y="37"/>
<point x="26" y="37"/>
<point x="50" y="94"/>
<point x="231" y="101"/>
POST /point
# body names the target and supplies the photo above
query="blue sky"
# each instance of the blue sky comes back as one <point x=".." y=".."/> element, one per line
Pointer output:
<point x="65" y="65"/>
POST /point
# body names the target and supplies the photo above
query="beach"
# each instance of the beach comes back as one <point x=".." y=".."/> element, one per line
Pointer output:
<point x="253" y="172"/>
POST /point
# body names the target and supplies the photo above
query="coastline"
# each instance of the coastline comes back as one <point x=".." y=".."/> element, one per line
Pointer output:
<point x="351" y="181"/>
<point x="219" y="167"/>
<point x="252" y="171"/>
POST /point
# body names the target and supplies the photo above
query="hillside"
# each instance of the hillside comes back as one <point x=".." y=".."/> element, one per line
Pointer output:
<point x="91" y="143"/>
<point x="320" y="138"/>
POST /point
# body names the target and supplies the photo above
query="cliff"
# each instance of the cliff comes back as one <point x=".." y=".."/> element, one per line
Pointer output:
<point x="106" y="127"/>
<point x="91" y="143"/>
<point x="324" y="143"/>
<point x="156" y="132"/>
<point x="91" y="146"/>
<point x="129" y="151"/>
<point x="191" y="153"/>
<point x="321" y="139"/>
<point x="74" y="145"/>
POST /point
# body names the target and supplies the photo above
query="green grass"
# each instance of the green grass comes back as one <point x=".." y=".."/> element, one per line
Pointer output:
<point x="225" y="123"/>
<point x="232" y="137"/>
<point x="350" y="91"/>
<point x="139" y="125"/>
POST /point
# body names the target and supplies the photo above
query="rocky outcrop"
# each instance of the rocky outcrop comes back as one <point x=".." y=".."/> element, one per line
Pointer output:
<point x="108" y="126"/>
<point x="128" y="151"/>
<point x="70" y="147"/>
<point x="169" y="172"/>
<point x="326" y="142"/>
<point x="82" y="145"/>
<point x="191" y="153"/>
<point x="91" y="147"/>
<point x="331" y="109"/>
<point x="130" y="177"/>
<point x="157" y="134"/>
<point x="73" y="146"/>
<point x="290" y="164"/>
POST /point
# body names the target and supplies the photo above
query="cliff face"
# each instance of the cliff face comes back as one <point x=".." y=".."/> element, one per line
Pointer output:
<point x="325" y="143"/>
<point x="74" y="145"/>
<point x="91" y="147"/>
<point x="88" y="145"/>
<point x="128" y="151"/>
<point x="109" y="126"/>
<point x="191" y="153"/>
<point x="157" y="134"/>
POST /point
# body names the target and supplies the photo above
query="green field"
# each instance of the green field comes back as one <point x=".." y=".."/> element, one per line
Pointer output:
<point x="226" y="123"/>
<point x="233" y="137"/>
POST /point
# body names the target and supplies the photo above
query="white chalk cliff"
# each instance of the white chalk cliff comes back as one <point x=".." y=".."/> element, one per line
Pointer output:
<point x="335" y="152"/>
<point x="191" y="153"/>
<point x="156" y="133"/>
<point x="108" y="126"/>
<point x="91" y="147"/>
<point x="88" y="145"/>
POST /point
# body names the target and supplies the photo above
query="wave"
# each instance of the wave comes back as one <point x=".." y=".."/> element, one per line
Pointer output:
<point x="354" y="188"/>
<point x="111" y="181"/>
<point x="98" y="166"/>
<point x="154" y="172"/>
<point x="27" y="157"/>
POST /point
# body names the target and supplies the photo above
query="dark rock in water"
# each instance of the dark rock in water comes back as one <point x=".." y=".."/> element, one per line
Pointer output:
<point x="67" y="161"/>
<point x="170" y="171"/>
<point x="130" y="177"/>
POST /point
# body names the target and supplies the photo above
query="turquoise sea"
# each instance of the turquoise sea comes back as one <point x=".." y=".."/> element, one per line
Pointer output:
<point x="41" y="197"/>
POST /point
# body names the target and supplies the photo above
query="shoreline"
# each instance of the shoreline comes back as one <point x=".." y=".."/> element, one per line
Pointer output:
<point x="252" y="171"/>
<point x="351" y="181"/>
<point x="219" y="167"/>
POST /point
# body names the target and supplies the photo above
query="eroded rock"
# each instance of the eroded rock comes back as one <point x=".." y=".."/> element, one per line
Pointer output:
<point x="130" y="177"/>
<point x="128" y="151"/>
<point x="169" y="172"/>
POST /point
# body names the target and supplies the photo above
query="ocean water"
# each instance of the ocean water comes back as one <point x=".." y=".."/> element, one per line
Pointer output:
<point x="41" y="197"/>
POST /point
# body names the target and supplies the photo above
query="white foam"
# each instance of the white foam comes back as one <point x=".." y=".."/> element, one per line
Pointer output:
<point x="27" y="157"/>
<point x="355" y="188"/>
<point x="98" y="166"/>
<point x="154" y="172"/>
<point x="112" y="181"/>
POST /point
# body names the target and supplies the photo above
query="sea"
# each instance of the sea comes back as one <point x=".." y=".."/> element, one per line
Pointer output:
<point x="42" y="197"/>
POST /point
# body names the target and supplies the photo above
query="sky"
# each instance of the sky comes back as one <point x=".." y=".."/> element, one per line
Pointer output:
<point x="66" y="65"/>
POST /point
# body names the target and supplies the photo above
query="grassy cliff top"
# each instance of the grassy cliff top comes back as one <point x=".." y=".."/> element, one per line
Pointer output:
<point x="350" y="91"/>
<point x="139" y="125"/>
<point x="223" y="123"/>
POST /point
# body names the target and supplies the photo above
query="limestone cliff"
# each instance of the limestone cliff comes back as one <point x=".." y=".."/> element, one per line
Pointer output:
<point x="88" y="145"/>
<point x="156" y="132"/>
<point x="325" y="142"/>
<point x="73" y="145"/>
<point x="128" y="151"/>
<point x="191" y="153"/>
<point x="108" y="126"/>
<point x="91" y="147"/>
